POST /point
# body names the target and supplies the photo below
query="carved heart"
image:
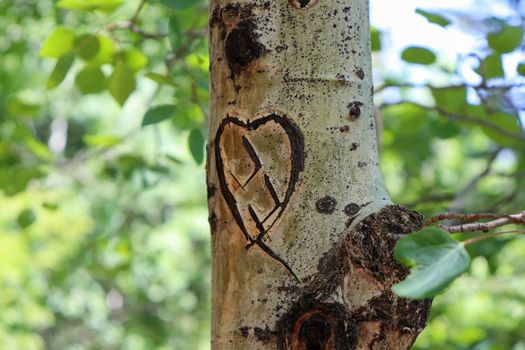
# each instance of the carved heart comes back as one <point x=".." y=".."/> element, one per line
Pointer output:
<point x="258" y="164"/>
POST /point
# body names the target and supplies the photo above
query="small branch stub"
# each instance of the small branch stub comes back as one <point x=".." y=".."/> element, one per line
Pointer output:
<point x="317" y="326"/>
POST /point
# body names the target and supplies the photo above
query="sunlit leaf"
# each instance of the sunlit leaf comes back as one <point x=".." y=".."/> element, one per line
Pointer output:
<point x="60" y="71"/>
<point x="418" y="55"/>
<point x="90" y="5"/>
<point x="102" y="140"/>
<point x="196" y="144"/>
<point x="435" y="260"/>
<point x="122" y="82"/>
<point x="60" y="42"/>
<point x="506" y="40"/>
<point x="157" y="114"/>
<point x="135" y="60"/>
<point x="433" y="17"/>
<point x="106" y="52"/>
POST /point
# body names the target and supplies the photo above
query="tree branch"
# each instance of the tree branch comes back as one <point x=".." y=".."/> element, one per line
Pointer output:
<point x="461" y="117"/>
<point x="499" y="220"/>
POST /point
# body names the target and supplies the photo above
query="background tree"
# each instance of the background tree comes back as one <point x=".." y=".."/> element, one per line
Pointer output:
<point x="104" y="241"/>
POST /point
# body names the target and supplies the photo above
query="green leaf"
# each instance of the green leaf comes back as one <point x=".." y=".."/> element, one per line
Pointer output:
<point x="491" y="67"/>
<point x="105" y="54"/>
<point x="452" y="99"/>
<point x="159" y="78"/>
<point x="506" y="122"/>
<point x="26" y="218"/>
<point x="157" y="114"/>
<point x="187" y="116"/>
<point x="134" y="59"/>
<point x="418" y="55"/>
<point x="521" y="69"/>
<point x="435" y="260"/>
<point x="179" y="4"/>
<point x="506" y="40"/>
<point x="104" y="141"/>
<point x="90" y="81"/>
<point x="60" y="71"/>
<point x="122" y="82"/>
<point x="433" y="17"/>
<point x="444" y="128"/>
<point x="105" y="6"/>
<point x="87" y="46"/>
<point x="196" y="144"/>
<point x="174" y="34"/>
<point x="375" y="37"/>
<point x="59" y="43"/>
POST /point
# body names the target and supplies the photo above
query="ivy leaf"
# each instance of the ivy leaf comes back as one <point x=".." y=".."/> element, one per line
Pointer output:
<point x="122" y="82"/>
<point x="157" y="114"/>
<point x="433" y="17"/>
<point x="60" y="71"/>
<point x="419" y="55"/>
<point x="90" y="81"/>
<point x="506" y="40"/>
<point x="435" y="260"/>
<point x="59" y="43"/>
<point x="196" y="144"/>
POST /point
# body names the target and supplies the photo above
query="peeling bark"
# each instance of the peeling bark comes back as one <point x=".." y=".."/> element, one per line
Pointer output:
<point x="302" y="227"/>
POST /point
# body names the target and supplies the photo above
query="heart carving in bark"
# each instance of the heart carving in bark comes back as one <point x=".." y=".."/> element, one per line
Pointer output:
<point x="258" y="163"/>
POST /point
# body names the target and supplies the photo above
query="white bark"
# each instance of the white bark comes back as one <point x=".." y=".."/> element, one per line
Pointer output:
<point x="292" y="141"/>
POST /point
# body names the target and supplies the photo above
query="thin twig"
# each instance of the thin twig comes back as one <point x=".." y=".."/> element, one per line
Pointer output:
<point x="461" y="117"/>
<point x="462" y="217"/>
<point x="482" y="86"/>
<point x="133" y="27"/>
<point x="459" y="199"/>
<point x="499" y="220"/>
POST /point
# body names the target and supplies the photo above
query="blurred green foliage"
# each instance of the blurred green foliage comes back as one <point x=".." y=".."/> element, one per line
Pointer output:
<point x="104" y="240"/>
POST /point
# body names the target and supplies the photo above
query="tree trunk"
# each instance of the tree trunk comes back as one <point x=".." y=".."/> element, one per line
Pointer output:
<point x="302" y="227"/>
